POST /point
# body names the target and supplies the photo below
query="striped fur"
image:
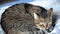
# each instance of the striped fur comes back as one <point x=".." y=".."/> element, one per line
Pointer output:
<point x="26" y="19"/>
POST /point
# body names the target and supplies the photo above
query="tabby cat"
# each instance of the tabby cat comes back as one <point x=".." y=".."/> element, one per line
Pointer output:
<point x="26" y="18"/>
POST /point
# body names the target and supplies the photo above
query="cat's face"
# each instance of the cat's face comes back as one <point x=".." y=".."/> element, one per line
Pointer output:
<point x="43" y="19"/>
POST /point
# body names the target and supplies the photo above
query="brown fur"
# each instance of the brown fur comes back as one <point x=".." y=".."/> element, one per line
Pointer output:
<point x="46" y="21"/>
<point x="20" y="18"/>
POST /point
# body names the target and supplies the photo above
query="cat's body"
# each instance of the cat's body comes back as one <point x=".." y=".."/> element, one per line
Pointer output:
<point x="20" y="18"/>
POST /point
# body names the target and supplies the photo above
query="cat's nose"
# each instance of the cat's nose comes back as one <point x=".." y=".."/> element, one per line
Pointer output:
<point x="45" y="26"/>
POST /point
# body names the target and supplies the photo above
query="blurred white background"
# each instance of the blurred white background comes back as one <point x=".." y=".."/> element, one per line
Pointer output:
<point x="55" y="4"/>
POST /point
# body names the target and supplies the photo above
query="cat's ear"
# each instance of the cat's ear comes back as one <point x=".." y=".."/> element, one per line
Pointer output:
<point x="50" y="11"/>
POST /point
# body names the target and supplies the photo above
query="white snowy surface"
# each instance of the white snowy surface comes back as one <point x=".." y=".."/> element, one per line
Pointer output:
<point x="55" y="4"/>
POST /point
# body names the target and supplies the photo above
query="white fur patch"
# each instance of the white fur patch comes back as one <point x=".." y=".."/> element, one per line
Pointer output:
<point x="35" y="16"/>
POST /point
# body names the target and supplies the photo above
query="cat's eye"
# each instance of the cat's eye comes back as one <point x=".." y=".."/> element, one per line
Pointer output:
<point x="50" y="22"/>
<point x="41" y="20"/>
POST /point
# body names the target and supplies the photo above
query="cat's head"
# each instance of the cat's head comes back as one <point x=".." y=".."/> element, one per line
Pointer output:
<point x="43" y="18"/>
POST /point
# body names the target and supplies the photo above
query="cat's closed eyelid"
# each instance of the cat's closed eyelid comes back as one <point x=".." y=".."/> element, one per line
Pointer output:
<point x="41" y="20"/>
<point x="50" y="23"/>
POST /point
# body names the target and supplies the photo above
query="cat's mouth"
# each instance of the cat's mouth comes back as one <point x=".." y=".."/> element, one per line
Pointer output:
<point x="43" y="26"/>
